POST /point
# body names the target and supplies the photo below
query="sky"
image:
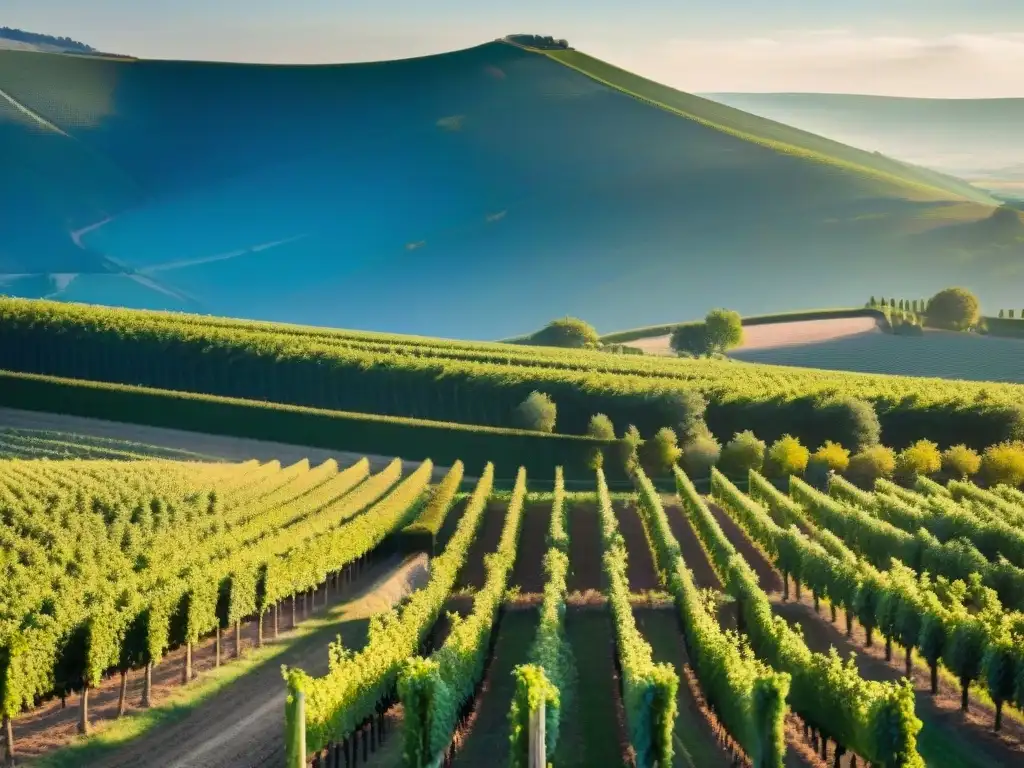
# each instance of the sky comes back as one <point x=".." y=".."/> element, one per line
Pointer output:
<point x="925" y="48"/>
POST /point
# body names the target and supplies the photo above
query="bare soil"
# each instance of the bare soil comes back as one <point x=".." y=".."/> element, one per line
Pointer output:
<point x="780" y="334"/>
<point x="217" y="446"/>
<point x="473" y="574"/>
<point x="694" y="556"/>
<point x="643" y="576"/>
<point x="240" y="725"/>
<point x="768" y="578"/>
<point x="528" y="572"/>
<point x="585" y="548"/>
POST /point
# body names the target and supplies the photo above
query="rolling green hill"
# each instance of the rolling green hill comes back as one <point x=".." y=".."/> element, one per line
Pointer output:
<point x="977" y="139"/>
<point x="420" y="195"/>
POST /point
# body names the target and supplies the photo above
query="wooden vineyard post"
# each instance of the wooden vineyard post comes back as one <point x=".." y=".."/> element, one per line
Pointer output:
<point x="147" y="687"/>
<point x="296" y="746"/>
<point x="538" y="756"/>
<point x="83" y="711"/>
<point x="8" y="740"/>
<point x="216" y="644"/>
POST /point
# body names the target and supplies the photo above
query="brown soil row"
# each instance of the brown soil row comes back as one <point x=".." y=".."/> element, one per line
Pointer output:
<point x="640" y="568"/>
<point x="473" y="573"/>
<point x="528" y="572"/>
<point x="767" y="577"/>
<point x="585" y="548"/>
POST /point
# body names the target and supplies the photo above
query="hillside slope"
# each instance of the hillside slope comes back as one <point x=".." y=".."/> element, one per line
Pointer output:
<point x="978" y="139"/>
<point x="421" y="195"/>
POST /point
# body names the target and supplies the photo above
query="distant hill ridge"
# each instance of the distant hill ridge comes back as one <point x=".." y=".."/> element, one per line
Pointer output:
<point x="36" y="38"/>
<point x="428" y="192"/>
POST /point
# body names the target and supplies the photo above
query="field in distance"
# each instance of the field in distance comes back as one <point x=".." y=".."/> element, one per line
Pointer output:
<point x="859" y="344"/>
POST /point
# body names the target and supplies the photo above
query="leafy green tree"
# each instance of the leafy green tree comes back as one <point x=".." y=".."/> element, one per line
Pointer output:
<point x="537" y="413"/>
<point x="870" y="465"/>
<point x="960" y="462"/>
<point x="690" y="339"/>
<point x="661" y="452"/>
<point x="1021" y="313"/>
<point x="566" y="332"/>
<point x="872" y="302"/>
<point x="921" y="458"/>
<point x="1004" y="463"/>
<point x="602" y="428"/>
<point x="830" y="457"/>
<point x="999" y="665"/>
<point x="741" y="454"/>
<point x="852" y="421"/>
<point x="787" y="456"/>
<point x="956" y="309"/>
<point x="724" y="329"/>
<point x="699" y="455"/>
<point x="631" y="444"/>
<point x="1001" y="313"/>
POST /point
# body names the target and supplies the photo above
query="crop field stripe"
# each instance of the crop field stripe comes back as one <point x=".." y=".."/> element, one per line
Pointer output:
<point x="436" y="692"/>
<point x="357" y="685"/>
<point x="785" y="649"/>
<point x="488" y="738"/>
<point x="747" y="697"/>
<point x="593" y="734"/>
<point x="432" y="387"/>
<point x="297" y="483"/>
<point x="898" y="581"/>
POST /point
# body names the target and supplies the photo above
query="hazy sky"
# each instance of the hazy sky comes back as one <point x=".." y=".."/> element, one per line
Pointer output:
<point x="941" y="48"/>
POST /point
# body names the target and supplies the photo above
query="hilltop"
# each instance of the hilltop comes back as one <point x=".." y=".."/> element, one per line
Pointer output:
<point x="977" y="139"/>
<point x="34" y="41"/>
<point x="471" y="194"/>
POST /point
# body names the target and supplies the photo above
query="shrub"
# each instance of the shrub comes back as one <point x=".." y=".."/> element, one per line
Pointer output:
<point x="787" y="456"/>
<point x="661" y="452"/>
<point x="690" y="339"/>
<point x="832" y="457"/>
<point x="871" y="464"/>
<point x="954" y="308"/>
<point x="700" y="455"/>
<point x="1004" y="463"/>
<point x="566" y="332"/>
<point x="631" y="445"/>
<point x="600" y="426"/>
<point x="724" y="329"/>
<point x="921" y="458"/>
<point x="741" y="454"/>
<point x="853" y="421"/>
<point x="961" y="462"/>
<point x="537" y="413"/>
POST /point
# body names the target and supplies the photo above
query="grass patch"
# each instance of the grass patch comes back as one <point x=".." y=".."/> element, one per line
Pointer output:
<point x="590" y="733"/>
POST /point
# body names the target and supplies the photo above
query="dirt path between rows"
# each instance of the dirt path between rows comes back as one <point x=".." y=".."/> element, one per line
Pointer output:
<point x="586" y="549"/>
<point x="241" y="725"/>
<point x="640" y="569"/>
<point x="528" y="571"/>
<point x="769" y="579"/>
<point x="216" y="446"/>
<point x="473" y="574"/>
